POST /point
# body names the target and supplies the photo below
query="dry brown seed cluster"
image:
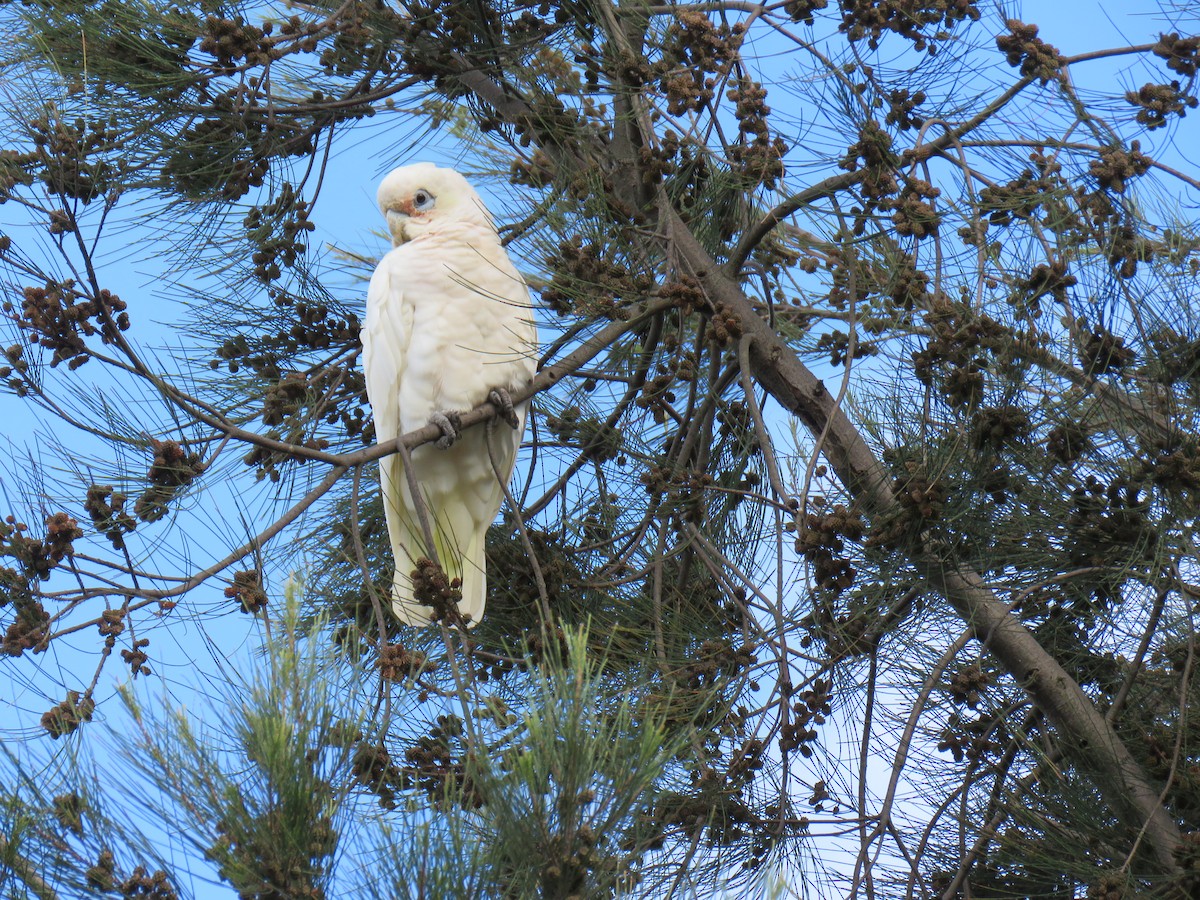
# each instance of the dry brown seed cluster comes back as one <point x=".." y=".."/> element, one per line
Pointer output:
<point x="1022" y="47"/>
<point x="432" y="764"/>
<point x="1171" y="463"/>
<point x="70" y="157"/>
<point x="143" y="886"/>
<point x="685" y="492"/>
<point x="284" y="398"/>
<point x="1104" y="352"/>
<point x="1112" y="886"/>
<point x="712" y="663"/>
<point x="251" y="855"/>
<point x="802" y="10"/>
<point x="14" y="172"/>
<point x="967" y="684"/>
<point x="585" y="282"/>
<point x="958" y="354"/>
<point x="29" y="629"/>
<point x="106" y="506"/>
<point x="822" y="542"/>
<point x="920" y="499"/>
<point x="136" y="657"/>
<point x="373" y="769"/>
<point x="724" y="327"/>
<point x="1021" y="197"/>
<point x="967" y="739"/>
<point x="922" y="496"/>
<point x="17" y="370"/>
<point x="837" y="345"/>
<point x="1125" y="247"/>
<point x="67" y="716"/>
<point x="695" y="50"/>
<point x="908" y="287"/>
<point x="39" y="557"/>
<point x="871" y="19"/>
<point x="112" y="622"/>
<point x="1182" y="54"/>
<point x="58" y="317"/>
<point x="996" y="427"/>
<point x="1156" y="102"/>
<point x="686" y="294"/>
<point x="68" y="810"/>
<point x="539" y="644"/>
<point x="757" y="156"/>
<point x="61" y="530"/>
<point x="717" y="805"/>
<point x="172" y="470"/>
<point x="1052" y="279"/>
<point x="1188" y="856"/>
<point x="1067" y="442"/>
<point x="874" y="148"/>
<point x="232" y="150"/>
<point x="1107" y="519"/>
<point x="102" y="875"/>
<point x="598" y="439"/>
<point x="247" y="589"/>
<point x="396" y="663"/>
<point x="432" y="588"/>
<point x="808" y="713"/>
<point x="902" y="108"/>
<point x="231" y="41"/>
<point x="277" y="229"/>
<point x="536" y="172"/>
<point x="912" y="213"/>
<point x="1117" y="165"/>
<point x="364" y="35"/>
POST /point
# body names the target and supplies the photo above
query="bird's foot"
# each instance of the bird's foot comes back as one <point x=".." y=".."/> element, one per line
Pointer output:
<point x="500" y="399"/>
<point x="450" y="425"/>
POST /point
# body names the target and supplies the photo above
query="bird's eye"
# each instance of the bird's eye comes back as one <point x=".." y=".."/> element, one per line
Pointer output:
<point x="423" y="200"/>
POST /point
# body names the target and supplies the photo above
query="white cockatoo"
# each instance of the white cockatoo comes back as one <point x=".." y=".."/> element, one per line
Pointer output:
<point x="449" y="325"/>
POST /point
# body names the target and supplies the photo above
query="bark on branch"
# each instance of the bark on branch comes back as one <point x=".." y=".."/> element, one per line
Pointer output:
<point x="1092" y="743"/>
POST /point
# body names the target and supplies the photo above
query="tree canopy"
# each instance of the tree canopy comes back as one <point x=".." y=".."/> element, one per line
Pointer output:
<point x="851" y="552"/>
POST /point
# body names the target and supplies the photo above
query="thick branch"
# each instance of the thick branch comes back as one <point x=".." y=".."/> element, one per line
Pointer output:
<point x="1095" y="745"/>
<point x="544" y="379"/>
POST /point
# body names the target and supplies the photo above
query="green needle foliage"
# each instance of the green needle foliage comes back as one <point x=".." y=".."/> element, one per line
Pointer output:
<point x="261" y="797"/>
<point x="852" y="551"/>
<point x="572" y="790"/>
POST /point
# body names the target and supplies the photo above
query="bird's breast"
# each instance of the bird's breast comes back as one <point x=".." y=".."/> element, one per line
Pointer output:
<point x="470" y="322"/>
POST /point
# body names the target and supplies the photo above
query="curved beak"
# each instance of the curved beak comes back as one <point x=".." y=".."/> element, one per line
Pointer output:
<point x="397" y="220"/>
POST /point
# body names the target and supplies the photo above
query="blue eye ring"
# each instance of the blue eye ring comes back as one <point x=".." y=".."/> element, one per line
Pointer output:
<point x="423" y="200"/>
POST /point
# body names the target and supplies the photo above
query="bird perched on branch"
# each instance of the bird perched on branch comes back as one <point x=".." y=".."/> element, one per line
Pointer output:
<point x="448" y="326"/>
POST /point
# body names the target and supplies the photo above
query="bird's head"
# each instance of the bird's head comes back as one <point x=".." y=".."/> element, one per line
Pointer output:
<point x="419" y="198"/>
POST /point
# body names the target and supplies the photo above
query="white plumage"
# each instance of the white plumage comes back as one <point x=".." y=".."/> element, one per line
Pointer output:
<point x="448" y="320"/>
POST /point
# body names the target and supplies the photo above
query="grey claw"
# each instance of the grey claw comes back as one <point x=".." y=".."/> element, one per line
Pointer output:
<point x="451" y="427"/>
<point x="500" y="399"/>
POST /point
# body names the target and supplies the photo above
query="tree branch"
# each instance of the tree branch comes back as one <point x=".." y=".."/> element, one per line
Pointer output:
<point x="1094" y="744"/>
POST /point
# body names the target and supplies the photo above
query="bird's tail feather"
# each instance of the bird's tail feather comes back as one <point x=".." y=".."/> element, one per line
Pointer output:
<point x="462" y="562"/>
<point x="472" y="571"/>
